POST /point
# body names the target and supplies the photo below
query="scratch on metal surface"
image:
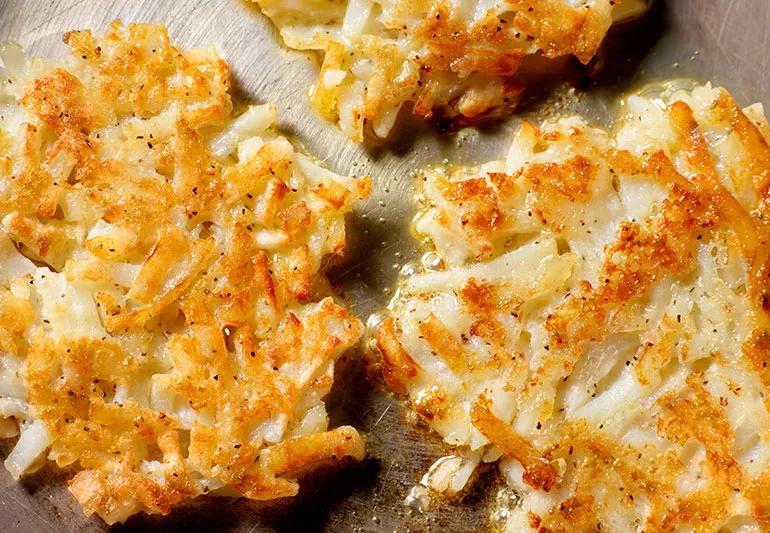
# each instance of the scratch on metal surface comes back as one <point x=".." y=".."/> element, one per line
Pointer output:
<point x="29" y="509"/>
<point x="59" y="13"/>
<point x="387" y="472"/>
<point x="387" y="429"/>
<point x="723" y="25"/>
<point x="382" y="416"/>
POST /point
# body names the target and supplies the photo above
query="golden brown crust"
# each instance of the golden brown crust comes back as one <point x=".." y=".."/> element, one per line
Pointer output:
<point x="538" y="473"/>
<point x="665" y="245"/>
<point x="444" y="344"/>
<point x="397" y="366"/>
<point x="702" y="418"/>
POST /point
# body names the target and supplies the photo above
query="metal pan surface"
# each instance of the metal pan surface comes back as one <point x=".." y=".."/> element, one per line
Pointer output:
<point x="722" y="41"/>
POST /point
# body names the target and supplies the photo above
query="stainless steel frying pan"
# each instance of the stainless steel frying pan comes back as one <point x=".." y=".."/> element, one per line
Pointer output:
<point x="724" y="41"/>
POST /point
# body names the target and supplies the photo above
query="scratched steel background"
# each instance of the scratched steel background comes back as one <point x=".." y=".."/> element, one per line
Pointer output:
<point x="725" y="41"/>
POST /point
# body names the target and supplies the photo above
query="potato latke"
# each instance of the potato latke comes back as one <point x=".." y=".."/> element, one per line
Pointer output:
<point x="165" y="324"/>
<point x="598" y="321"/>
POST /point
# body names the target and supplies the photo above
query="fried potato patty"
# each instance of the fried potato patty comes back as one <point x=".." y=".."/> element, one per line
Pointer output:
<point x="595" y="319"/>
<point x="165" y="324"/>
<point x="456" y="59"/>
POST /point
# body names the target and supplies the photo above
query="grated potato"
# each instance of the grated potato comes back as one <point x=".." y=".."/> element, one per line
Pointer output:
<point x="165" y="324"/>
<point x="452" y="58"/>
<point x="598" y="325"/>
